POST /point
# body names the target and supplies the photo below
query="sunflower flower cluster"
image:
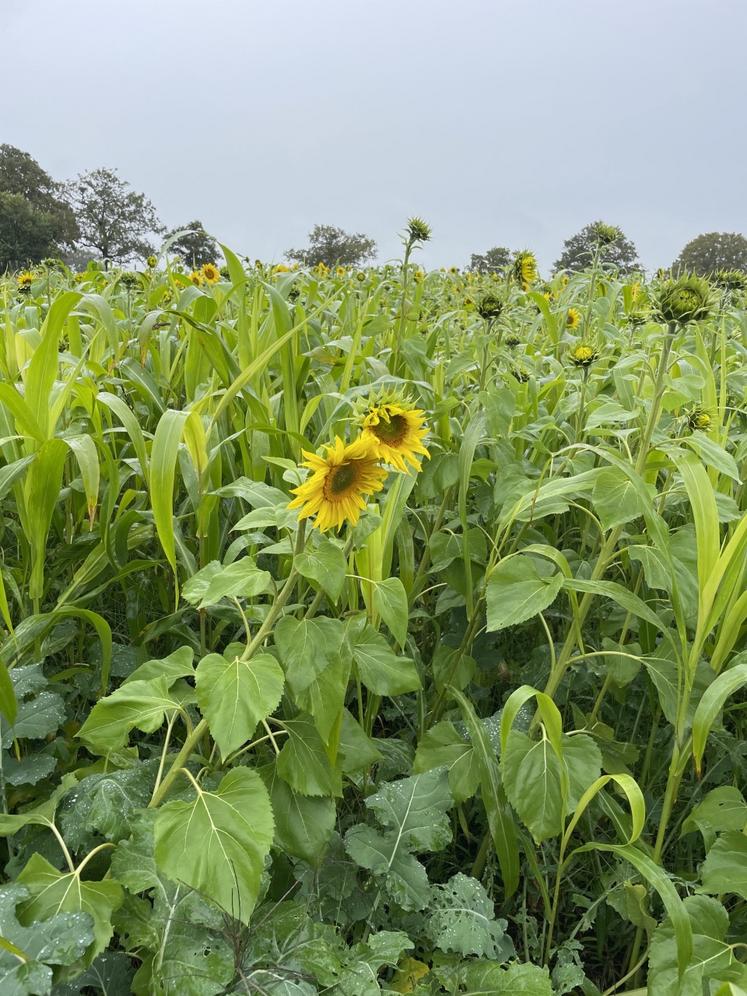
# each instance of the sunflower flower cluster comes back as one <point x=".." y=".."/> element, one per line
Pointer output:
<point x="346" y="474"/>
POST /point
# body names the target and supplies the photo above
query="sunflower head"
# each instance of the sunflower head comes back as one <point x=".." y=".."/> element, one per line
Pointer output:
<point x="525" y="268"/>
<point x="25" y="280"/>
<point x="520" y="375"/>
<point x="572" y="318"/>
<point x="418" y="230"/>
<point x="196" y="278"/>
<point x="395" y="429"/>
<point x="360" y="276"/>
<point x="129" y="280"/>
<point x="512" y="340"/>
<point x="339" y="483"/>
<point x="605" y="234"/>
<point x="583" y="355"/>
<point x="340" y="271"/>
<point x="322" y="269"/>
<point x="699" y="419"/>
<point x="730" y="280"/>
<point x="210" y="273"/>
<point x="152" y="262"/>
<point x="489" y="307"/>
<point x="685" y="299"/>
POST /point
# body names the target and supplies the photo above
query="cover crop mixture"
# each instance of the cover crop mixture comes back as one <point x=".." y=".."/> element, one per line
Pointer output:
<point x="372" y="632"/>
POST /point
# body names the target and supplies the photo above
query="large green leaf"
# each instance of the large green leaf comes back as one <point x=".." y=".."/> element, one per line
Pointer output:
<point x="27" y="952"/>
<point x="516" y="591"/>
<point x="218" y="842"/>
<point x="725" y="866"/>
<point x="241" y="579"/>
<point x="141" y="705"/>
<point x="462" y="920"/>
<point x="381" y="670"/>
<point x="324" y="564"/>
<point x="52" y="892"/>
<point x="303" y="761"/>
<point x="234" y="695"/>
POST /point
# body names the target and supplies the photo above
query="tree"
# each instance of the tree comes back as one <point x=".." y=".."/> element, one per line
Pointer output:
<point x="334" y="247"/>
<point x="711" y="252"/>
<point x="35" y="220"/>
<point x="614" y="248"/>
<point x="194" y="247"/>
<point x="114" y="220"/>
<point x="493" y="261"/>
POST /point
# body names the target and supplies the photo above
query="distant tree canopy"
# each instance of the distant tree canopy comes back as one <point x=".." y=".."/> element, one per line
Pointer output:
<point x="35" y="220"/>
<point x="711" y="252"/>
<point x="195" y="247"/>
<point x="115" y="221"/>
<point x="614" y="248"/>
<point x="493" y="261"/>
<point x="334" y="247"/>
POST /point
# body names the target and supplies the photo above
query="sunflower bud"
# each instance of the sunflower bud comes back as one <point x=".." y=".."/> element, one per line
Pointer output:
<point x="730" y="280"/>
<point x="489" y="307"/>
<point x="151" y="261"/>
<point x="418" y="230"/>
<point x="606" y="234"/>
<point x="686" y="299"/>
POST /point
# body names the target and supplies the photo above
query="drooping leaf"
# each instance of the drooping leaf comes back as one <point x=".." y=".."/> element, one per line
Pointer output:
<point x="52" y="892"/>
<point x="234" y="828"/>
<point x="516" y="591"/>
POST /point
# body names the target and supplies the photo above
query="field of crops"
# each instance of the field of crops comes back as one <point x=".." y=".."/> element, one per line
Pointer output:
<point x="373" y="631"/>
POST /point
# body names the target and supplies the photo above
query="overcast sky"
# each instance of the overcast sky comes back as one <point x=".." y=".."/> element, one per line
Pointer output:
<point x="500" y="123"/>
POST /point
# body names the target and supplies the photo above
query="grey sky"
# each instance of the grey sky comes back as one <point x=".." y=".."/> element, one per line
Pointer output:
<point x="501" y="123"/>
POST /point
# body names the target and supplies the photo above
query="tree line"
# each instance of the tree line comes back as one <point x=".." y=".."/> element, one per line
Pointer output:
<point x="100" y="216"/>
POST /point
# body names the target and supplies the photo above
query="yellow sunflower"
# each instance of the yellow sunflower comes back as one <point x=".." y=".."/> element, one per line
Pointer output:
<point x="25" y="280"/>
<point x="196" y="278"/>
<point x="281" y="268"/>
<point x="525" y="268"/>
<point x="210" y="273"/>
<point x="339" y="483"/>
<point x="583" y="355"/>
<point x="395" y="432"/>
<point x="572" y="318"/>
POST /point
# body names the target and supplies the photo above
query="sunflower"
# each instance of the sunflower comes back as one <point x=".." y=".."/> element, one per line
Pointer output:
<point x="525" y="268"/>
<point x="583" y="355"/>
<point x="395" y="432"/>
<point x="339" y="482"/>
<point x="196" y="278"/>
<point x="25" y="280"/>
<point x="210" y="273"/>
<point x="699" y="419"/>
<point x="152" y="262"/>
<point x="572" y="318"/>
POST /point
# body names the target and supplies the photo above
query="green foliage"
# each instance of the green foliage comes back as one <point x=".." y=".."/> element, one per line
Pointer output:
<point x="35" y="220"/>
<point x="332" y="247"/>
<point x="713" y="251"/>
<point x="606" y="244"/>
<point x="489" y="739"/>
<point x="114" y="221"/>
<point x="192" y="245"/>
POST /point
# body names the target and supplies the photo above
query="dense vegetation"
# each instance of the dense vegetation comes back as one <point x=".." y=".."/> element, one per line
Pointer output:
<point x="485" y="738"/>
